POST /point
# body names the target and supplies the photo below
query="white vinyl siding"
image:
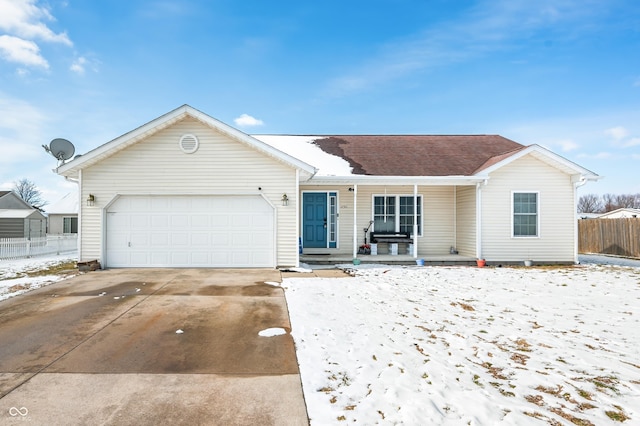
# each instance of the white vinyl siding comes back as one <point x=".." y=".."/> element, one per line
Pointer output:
<point x="466" y="220"/>
<point x="555" y="241"/>
<point x="220" y="166"/>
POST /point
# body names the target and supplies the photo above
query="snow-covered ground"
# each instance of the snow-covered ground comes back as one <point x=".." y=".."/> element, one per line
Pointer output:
<point x="469" y="346"/>
<point x="15" y="278"/>
<point x="456" y="345"/>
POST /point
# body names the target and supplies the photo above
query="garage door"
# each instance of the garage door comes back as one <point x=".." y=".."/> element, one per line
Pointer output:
<point x="190" y="231"/>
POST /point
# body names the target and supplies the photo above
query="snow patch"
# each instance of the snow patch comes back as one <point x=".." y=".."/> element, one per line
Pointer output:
<point x="270" y="332"/>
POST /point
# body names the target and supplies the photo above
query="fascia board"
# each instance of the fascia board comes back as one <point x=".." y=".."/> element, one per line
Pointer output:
<point x="395" y="180"/>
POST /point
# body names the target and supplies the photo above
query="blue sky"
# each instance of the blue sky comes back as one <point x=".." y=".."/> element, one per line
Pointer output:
<point x="564" y="74"/>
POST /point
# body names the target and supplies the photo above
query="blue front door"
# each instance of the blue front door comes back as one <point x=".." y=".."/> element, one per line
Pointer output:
<point x="314" y="219"/>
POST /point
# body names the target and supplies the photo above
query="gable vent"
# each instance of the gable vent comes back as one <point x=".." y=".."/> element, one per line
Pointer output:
<point x="188" y="144"/>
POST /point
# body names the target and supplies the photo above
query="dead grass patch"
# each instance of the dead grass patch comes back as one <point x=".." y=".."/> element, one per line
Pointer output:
<point x="618" y="415"/>
<point x="535" y="399"/>
<point x="573" y="419"/>
<point x="519" y="358"/>
<point x="463" y="305"/>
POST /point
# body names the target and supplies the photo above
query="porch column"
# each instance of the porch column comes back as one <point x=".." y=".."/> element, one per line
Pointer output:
<point x="415" y="221"/>
<point x="355" y="221"/>
<point x="479" y="220"/>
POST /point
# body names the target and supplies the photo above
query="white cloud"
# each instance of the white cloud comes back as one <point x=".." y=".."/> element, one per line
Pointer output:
<point x="632" y="142"/>
<point x="19" y="121"/>
<point x="247" y="120"/>
<point x="24" y="52"/>
<point x="599" y="156"/>
<point x="621" y="137"/>
<point x="25" y="20"/>
<point x="618" y="133"/>
<point x="78" y="66"/>
<point x="568" y="145"/>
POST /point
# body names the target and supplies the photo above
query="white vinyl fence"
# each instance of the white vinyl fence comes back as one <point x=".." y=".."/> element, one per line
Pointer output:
<point x="16" y="248"/>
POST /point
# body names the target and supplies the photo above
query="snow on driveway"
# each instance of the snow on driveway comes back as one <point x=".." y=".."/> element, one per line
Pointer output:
<point x="476" y="346"/>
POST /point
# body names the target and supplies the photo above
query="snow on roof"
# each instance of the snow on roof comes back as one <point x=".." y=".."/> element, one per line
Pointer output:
<point x="16" y="213"/>
<point x="303" y="148"/>
<point x="66" y="205"/>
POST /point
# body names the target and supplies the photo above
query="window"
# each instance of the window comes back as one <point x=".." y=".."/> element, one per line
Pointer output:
<point x="525" y="214"/>
<point x="395" y="213"/>
<point x="70" y="225"/>
<point x="333" y="219"/>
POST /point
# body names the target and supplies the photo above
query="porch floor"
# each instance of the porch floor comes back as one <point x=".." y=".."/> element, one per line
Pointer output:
<point x="387" y="259"/>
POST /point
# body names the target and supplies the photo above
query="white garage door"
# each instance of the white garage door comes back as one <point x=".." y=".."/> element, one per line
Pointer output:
<point x="190" y="231"/>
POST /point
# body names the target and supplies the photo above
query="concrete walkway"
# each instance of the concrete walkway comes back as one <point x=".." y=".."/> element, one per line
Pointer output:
<point x="103" y="348"/>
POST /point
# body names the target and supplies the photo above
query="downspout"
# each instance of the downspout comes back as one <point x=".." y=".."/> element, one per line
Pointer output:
<point x="415" y="221"/>
<point x="355" y="221"/>
<point x="576" y="185"/>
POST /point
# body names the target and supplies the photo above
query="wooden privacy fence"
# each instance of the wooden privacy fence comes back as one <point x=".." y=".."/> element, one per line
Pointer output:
<point x="619" y="237"/>
<point x="16" y="248"/>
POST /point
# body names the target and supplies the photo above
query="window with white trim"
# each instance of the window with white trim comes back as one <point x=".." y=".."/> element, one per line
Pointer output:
<point x="395" y="213"/>
<point x="525" y="214"/>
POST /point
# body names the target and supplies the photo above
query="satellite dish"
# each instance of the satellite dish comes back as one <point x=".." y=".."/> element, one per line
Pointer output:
<point x="62" y="149"/>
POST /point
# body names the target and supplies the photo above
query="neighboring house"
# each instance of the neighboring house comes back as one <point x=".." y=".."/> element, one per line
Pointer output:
<point x="620" y="214"/>
<point x="63" y="215"/>
<point x="18" y="219"/>
<point x="186" y="190"/>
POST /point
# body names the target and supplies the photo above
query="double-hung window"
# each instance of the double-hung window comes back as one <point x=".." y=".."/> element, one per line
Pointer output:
<point x="395" y="213"/>
<point x="525" y="214"/>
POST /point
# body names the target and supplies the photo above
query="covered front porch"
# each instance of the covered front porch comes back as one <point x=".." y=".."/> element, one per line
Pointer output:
<point x="338" y="220"/>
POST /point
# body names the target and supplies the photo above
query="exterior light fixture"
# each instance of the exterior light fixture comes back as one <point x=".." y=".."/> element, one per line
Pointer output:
<point x="91" y="200"/>
<point x="285" y="200"/>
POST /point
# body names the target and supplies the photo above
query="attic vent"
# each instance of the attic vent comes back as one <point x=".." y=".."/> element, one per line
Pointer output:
<point x="188" y="144"/>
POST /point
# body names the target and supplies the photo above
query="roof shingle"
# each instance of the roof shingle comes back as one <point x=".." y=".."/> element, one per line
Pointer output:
<point x="417" y="155"/>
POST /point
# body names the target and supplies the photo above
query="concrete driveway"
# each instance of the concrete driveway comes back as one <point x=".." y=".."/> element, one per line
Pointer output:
<point x="102" y="348"/>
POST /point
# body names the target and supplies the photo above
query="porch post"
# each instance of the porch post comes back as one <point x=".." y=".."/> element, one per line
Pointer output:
<point x="415" y="221"/>
<point x="479" y="220"/>
<point x="355" y="221"/>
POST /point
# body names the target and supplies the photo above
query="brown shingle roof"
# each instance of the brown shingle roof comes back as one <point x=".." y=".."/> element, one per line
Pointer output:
<point x="418" y="155"/>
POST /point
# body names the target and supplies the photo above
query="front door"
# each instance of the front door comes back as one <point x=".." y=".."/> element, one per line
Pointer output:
<point x="314" y="219"/>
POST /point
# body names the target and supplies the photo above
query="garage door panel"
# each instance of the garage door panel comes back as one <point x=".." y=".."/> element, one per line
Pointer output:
<point x="140" y="258"/>
<point x="200" y="240"/>
<point x="140" y="221"/>
<point x="200" y="221"/>
<point x="183" y="231"/>
<point x="179" y="239"/>
<point x="159" y="258"/>
<point x="159" y="221"/>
